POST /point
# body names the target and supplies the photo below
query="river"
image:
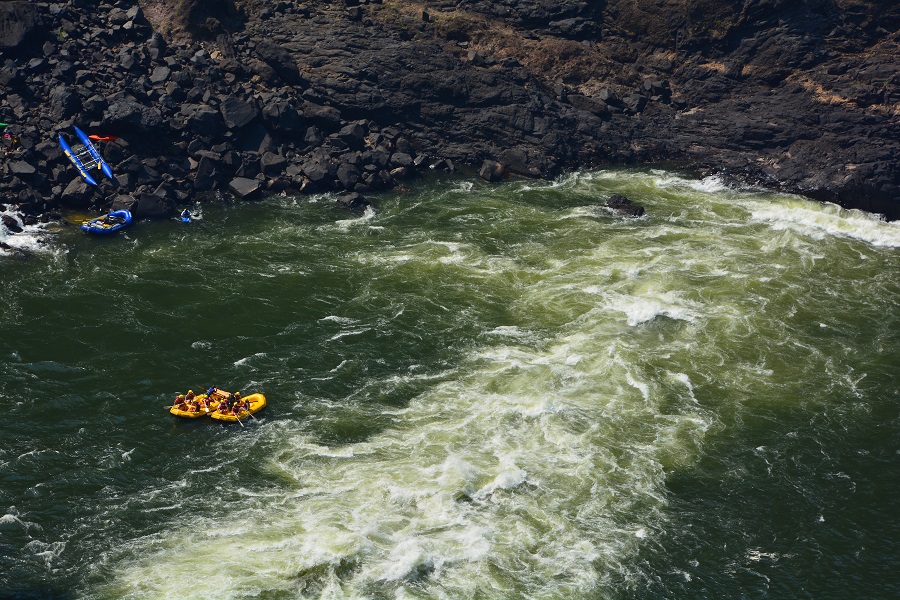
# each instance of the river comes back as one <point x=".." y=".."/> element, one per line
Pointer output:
<point x="476" y="391"/>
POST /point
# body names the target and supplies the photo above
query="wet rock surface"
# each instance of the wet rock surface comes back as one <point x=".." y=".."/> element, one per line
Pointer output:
<point x="356" y="97"/>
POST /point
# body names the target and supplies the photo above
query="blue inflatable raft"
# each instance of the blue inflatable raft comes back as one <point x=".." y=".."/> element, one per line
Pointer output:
<point x="107" y="224"/>
<point x="85" y="157"/>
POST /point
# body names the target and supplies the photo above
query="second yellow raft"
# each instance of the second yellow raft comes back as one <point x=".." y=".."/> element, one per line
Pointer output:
<point x="257" y="403"/>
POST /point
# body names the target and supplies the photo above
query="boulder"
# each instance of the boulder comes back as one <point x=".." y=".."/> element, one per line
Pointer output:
<point x="63" y="103"/>
<point x="18" y="23"/>
<point x="243" y="187"/>
<point x="491" y="170"/>
<point x="11" y="224"/>
<point x="237" y="113"/>
<point x="529" y="163"/>
<point x="272" y="163"/>
<point x="281" y="60"/>
<point x="124" y="202"/>
<point x="202" y="119"/>
<point x="352" y="201"/>
<point x="131" y="116"/>
<point x="349" y="175"/>
<point x="326" y="116"/>
<point x="207" y="174"/>
<point x="77" y="194"/>
<point x="624" y="206"/>
<point x="354" y="135"/>
<point x="151" y="205"/>
<point x="22" y="168"/>
<point x="282" y="117"/>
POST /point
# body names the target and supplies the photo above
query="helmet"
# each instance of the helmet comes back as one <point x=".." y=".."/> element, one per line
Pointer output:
<point x="237" y="394"/>
<point x="179" y="397"/>
<point x="190" y="391"/>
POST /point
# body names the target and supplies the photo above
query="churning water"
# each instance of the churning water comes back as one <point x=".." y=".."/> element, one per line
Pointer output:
<point x="478" y="391"/>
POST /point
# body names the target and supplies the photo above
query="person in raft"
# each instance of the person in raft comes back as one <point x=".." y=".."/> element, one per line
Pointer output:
<point x="180" y="404"/>
<point x="223" y="407"/>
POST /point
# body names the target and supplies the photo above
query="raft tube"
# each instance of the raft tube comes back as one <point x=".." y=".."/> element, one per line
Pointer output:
<point x="99" y="227"/>
<point x="186" y="414"/>
<point x="257" y="403"/>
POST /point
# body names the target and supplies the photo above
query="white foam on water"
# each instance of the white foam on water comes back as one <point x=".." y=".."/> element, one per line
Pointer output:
<point x="337" y="319"/>
<point x="247" y="359"/>
<point x="30" y="239"/>
<point x="821" y="220"/>
<point x="368" y="215"/>
<point x="645" y="308"/>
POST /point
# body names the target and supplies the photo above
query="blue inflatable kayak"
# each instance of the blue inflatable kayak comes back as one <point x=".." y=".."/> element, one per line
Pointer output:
<point x="107" y="224"/>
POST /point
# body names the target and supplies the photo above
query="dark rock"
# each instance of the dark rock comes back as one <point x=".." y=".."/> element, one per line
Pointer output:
<point x="354" y="135"/>
<point x="152" y="206"/>
<point x="132" y="117"/>
<point x="401" y="159"/>
<point x="281" y="61"/>
<point x="63" y="103"/>
<point x="527" y="162"/>
<point x="596" y="107"/>
<point x="349" y="175"/>
<point x="635" y="103"/>
<point x="124" y="202"/>
<point x="202" y="119"/>
<point x="352" y="201"/>
<point x="237" y="113"/>
<point x="244" y="188"/>
<point x="160" y="74"/>
<point x="22" y="168"/>
<point x="282" y="117"/>
<point x="272" y="163"/>
<point x="77" y="194"/>
<point x="326" y="116"/>
<point x="19" y="22"/>
<point x="624" y="206"/>
<point x="491" y="170"/>
<point x="318" y="172"/>
<point x="253" y="138"/>
<point x="207" y="174"/>
<point x="11" y="224"/>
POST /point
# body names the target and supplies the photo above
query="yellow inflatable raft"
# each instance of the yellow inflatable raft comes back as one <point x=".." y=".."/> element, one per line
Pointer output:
<point x="189" y="414"/>
<point x="257" y="403"/>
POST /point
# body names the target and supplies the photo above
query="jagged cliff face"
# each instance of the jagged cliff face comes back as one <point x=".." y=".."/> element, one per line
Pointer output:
<point x="358" y="94"/>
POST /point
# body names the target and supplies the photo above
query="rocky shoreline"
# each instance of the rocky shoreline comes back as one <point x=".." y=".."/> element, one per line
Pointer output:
<point x="357" y="96"/>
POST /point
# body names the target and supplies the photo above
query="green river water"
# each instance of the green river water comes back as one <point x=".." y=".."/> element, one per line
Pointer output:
<point x="478" y="391"/>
